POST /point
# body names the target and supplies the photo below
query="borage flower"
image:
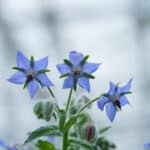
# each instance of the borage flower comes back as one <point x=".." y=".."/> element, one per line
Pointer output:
<point x="114" y="99"/>
<point x="31" y="73"/>
<point x="147" y="146"/>
<point x="77" y="70"/>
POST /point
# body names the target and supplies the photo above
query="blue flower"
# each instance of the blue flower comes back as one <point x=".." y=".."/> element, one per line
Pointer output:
<point x="77" y="70"/>
<point x="31" y="73"/>
<point x="114" y="99"/>
<point x="147" y="146"/>
<point x="5" y="146"/>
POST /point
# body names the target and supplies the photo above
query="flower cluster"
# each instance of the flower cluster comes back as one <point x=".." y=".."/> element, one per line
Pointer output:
<point x="72" y="123"/>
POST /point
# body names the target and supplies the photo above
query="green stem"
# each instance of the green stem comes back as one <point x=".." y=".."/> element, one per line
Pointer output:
<point x="65" y="140"/>
<point x="89" y="103"/>
<point x="51" y="92"/>
<point x="69" y="100"/>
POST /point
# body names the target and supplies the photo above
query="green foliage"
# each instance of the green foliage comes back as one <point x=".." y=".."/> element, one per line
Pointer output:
<point x="104" y="144"/>
<point x="44" y="145"/>
<point x="80" y="142"/>
<point x="43" y="131"/>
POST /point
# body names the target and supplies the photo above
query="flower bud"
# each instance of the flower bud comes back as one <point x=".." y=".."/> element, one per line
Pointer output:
<point x="87" y="132"/>
<point x="44" y="110"/>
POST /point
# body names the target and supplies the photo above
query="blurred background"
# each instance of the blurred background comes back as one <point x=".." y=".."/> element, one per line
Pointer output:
<point x="115" y="33"/>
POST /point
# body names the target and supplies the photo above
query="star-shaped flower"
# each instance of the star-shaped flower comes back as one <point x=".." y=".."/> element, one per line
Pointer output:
<point x="31" y="73"/>
<point x="77" y="70"/>
<point x="114" y="99"/>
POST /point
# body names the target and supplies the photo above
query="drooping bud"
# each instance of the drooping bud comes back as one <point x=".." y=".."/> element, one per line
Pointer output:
<point x="88" y="132"/>
<point x="44" y="110"/>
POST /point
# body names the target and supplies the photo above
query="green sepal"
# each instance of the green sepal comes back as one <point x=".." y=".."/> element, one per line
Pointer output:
<point x="38" y="110"/>
<point x="88" y="75"/>
<point x="44" y="145"/>
<point x="51" y="130"/>
<point x="124" y="93"/>
<point x="80" y="142"/>
<point x="32" y="62"/>
<point x="75" y="84"/>
<point x="66" y="61"/>
<point x="65" y="75"/>
<point x="43" y="71"/>
<point x="18" y="69"/>
<point x="84" y="60"/>
<point x="25" y="84"/>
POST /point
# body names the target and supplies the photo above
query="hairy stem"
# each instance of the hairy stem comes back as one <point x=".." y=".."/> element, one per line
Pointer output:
<point x="89" y="103"/>
<point x="51" y="92"/>
<point x="69" y="100"/>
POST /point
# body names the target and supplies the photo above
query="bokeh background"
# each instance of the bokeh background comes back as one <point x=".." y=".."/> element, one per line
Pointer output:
<point x="115" y="33"/>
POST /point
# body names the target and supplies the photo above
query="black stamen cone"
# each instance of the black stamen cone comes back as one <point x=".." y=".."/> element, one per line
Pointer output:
<point x="29" y="77"/>
<point x="117" y="103"/>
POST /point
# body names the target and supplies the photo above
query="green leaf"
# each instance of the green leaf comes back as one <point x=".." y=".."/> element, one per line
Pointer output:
<point x="105" y="144"/>
<point x="62" y="119"/>
<point x="88" y="75"/>
<point x="44" y="145"/>
<point x="84" y="59"/>
<point x="43" y="131"/>
<point x="70" y="123"/>
<point x="103" y="130"/>
<point x="66" y="61"/>
<point x="65" y="75"/>
<point x="83" y="143"/>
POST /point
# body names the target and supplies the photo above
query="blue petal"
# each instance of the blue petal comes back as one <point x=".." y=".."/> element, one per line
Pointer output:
<point x="125" y="88"/>
<point x="2" y="144"/>
<point x="22" y="61"/>
<point x="90" y="67"/>
<point x="63" y="68"/>
<point x="123" y="101"/>
<point x="147" y="145"/>
<point x="75" y="57"/>
<point x="33" y="87"/>
<point x="51" y="139"/>
<point x="69" y="82"/>
<point x="44" y="79"/>
<point x="84" y="83"/>
<point x="110" y="111"/>
<point x="112" y="89"/>
<point x="17" y="78"/>
<point x="101" y="103"/>
<point x="41" y="64"/>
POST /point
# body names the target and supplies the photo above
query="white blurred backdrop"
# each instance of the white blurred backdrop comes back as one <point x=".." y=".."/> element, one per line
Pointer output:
<point x="115" y="33"/>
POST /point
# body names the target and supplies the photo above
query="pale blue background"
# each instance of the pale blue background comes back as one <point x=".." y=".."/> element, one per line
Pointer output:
<point x="115" y="32"/>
